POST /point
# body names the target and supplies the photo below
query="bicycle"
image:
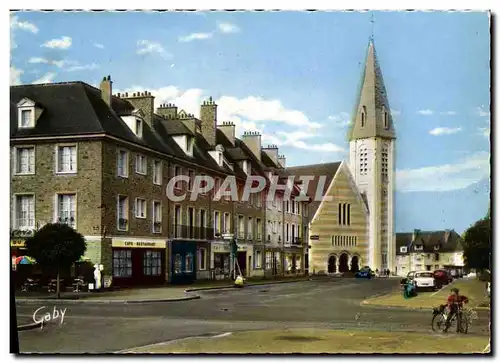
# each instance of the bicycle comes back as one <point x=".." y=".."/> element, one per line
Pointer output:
<point x="462" y="318"/>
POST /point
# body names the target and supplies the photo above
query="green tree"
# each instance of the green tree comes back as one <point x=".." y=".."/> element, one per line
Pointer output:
<point x="56" y="246"/>
<point x="477" y="245"/>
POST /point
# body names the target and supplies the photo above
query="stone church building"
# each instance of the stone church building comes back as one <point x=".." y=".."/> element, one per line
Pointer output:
<point x="355" y="228"/>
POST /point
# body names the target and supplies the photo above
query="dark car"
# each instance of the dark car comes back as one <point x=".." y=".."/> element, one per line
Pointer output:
<point x="442" y="277"/>
<point x="366" y="272"/>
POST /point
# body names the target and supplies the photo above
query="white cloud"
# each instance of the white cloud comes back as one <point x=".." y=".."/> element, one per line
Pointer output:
<point x="73" y="65"/>
<point x="15" y="24"/>
<point x="22" y="25"/>
<point x="15" y="76"/>
<point x="36" y="60"/>
<point x="98" y="45"/>
<point x="63" y="43"/>
<point x="425" y="112"/>
<point x="46" y="78"/>
<point x="395" y="112"/>
<point x="148" y="47"/>
<point x="445" y="177"/>
<point x="82" y="67"/>
<point x="340" y="120"/>
<point x="258" y="109"/>
<point x="195" y="36"/>
<point x="448" y="113"/>
<point x="482" y="112"/>
<point x="228" y="28"/>
<point x="445" y="131"/>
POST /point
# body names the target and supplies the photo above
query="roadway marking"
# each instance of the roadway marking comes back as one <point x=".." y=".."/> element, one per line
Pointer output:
<point x="434" y="293"/>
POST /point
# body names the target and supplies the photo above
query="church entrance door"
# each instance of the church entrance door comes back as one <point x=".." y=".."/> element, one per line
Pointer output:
<point x="355" y="264"/>
<point x="343" y="266"/>
<point x="332" y="264"/>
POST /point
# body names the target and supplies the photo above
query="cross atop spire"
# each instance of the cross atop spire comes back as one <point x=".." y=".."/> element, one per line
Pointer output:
<point x="372" y="36"/>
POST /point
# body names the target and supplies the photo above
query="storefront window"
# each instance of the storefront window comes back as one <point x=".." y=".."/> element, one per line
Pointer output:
<point x="152" y="263"/>
<point x="122" y="263"/>
<point x="178" y="264"/>
<point x="189" y="262"/>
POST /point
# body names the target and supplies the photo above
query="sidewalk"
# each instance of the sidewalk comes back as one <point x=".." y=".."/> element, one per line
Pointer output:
<point x="163" y="293"/>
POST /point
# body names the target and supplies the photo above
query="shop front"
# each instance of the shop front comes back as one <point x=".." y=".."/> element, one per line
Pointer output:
<point x="222" y="261"/>
<point x="293" y="262"/>
<point x="272" y="262"/>
<point x="183" y="262"/>
<point x="138" y="262"/>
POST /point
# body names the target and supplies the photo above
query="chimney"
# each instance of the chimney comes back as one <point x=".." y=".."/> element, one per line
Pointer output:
<point x="229" y="129"/>
<point x="190" y="122"/>
<point x="208" y="117"/>
<point x="272" y="152"/>
<point x="143" y="101"/>
<point x="107" y="90"/>
<point x="416" y="232"/>
<point x="167" y="110"/>
<point x="282" y="160"/>
<point x="252" y="140"/>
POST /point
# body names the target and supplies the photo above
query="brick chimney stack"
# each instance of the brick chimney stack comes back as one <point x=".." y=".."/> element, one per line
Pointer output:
<point x="143" y="101"/>
<point x="272" y="152"/>
<point x="107" y="90"/>
<point x="208" y="117"/>
<point x="229" y="129"/>
<point x="252" y="140"/>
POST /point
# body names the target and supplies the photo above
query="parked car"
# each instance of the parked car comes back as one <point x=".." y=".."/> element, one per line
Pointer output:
<point x="409" y="277"/>
<point x="366" y="272"/>
<point x="442" y="277"/>
<point x="424" y="280"/>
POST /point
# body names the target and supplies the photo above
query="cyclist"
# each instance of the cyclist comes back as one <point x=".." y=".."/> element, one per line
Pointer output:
<point x="455" y="301"/>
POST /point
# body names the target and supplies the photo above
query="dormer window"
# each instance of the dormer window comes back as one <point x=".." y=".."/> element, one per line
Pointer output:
<point x="419" y="247"/>
<point x="245" y="167"/>
<point x="189" y="145"/>
<point x="138" y="127"/>
<point x="220" y="159"/>
<point x="436" y="247"/>
<point x="403" y="249"/>
<point x="26" y="116"/>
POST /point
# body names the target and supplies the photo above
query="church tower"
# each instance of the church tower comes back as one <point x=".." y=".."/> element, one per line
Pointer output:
<point x="372" y="161"/>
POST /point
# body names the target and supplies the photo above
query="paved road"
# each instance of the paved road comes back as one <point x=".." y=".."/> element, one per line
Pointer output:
<point x="331" y="303"/>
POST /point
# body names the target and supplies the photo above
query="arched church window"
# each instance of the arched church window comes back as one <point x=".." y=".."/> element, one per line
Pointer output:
<point x="344" y="206"/>
<point x="340" y="214"/>
<point x="348" y="214"/>
<point x="386" y="120"/>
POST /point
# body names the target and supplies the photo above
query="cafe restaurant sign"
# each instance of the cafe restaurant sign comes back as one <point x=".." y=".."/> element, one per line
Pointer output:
<point x="17" y="243"/>
<point x="139" y="244"/>
<point x="225" y="247"/>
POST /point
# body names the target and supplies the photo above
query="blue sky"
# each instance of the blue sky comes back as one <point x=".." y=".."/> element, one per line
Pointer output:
<point x="294" y="76"/>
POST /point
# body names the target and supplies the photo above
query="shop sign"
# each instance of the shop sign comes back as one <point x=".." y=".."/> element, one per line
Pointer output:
<point x="17" y="243"/>
<point x="226" y="247"/>
<point x="139" y="244"/>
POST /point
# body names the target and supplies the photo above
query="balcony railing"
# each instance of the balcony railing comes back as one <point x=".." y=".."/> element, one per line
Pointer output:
<point x="192" y="232"/>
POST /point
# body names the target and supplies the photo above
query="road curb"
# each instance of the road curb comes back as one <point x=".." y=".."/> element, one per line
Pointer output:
<point x="89" y="301"/>
<point x="30" y="326"/>
<point x="380" y="306"/>
<point x="246" y="284"/>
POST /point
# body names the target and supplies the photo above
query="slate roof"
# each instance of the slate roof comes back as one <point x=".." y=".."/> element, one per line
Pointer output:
<point x="428" y="240"/>
<point x="327" y="169"/>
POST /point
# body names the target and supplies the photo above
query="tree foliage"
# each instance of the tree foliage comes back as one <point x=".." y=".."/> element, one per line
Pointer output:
<point x="477" y="245"/>
<point x="56" y="246"/>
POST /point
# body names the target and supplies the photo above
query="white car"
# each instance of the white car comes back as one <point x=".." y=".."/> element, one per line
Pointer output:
<point x="424" y="280"/>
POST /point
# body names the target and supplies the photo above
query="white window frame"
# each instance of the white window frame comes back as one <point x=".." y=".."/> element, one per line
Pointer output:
<point x="58" y="147"/>
<point x="144" y="164"/>
<point x="126" y="212"/>
<point x="144" y="208"/>
<point x="218" y="226"/>
<point x="403" y="249"/>
<point x="26" y="105"/>
<point x="177" y="185"/>
<point x="139" y="126"/>
<point x="16" y="159"/>
<point x="200" y="260"/>
<point x="258" y="229"/>
<point x="191" y="176"/>
<point x="189" y="145"/>
<point x="224" y="227"/>
<point x="257" y="260"/>
<point x="15" y="218"/>
<point x="419" y="247"/>
<point x="126" y="166"/>
<point x="156" y="218"/>
<point x="56" y="208"/>
<point x="250" y="228"/>
<point x="157" y="172"/>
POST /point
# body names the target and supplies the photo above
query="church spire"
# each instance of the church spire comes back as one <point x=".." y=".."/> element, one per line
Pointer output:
<point x="372" y="116"/>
